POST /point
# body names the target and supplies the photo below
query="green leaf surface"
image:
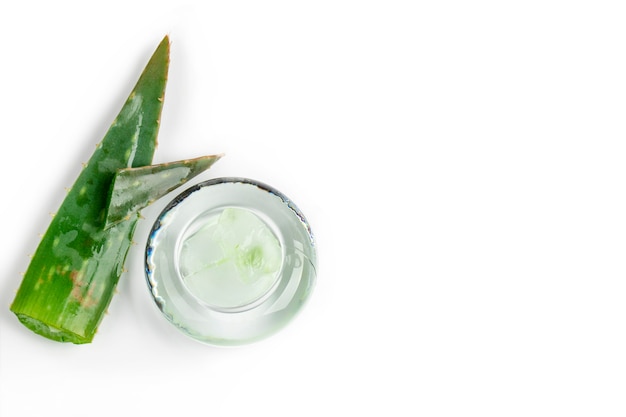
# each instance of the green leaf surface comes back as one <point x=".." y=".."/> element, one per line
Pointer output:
<point x="73" y="274"/>
<point x="135" y="188"/>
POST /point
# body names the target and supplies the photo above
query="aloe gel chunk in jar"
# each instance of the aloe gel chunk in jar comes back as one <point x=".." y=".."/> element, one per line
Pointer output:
<point x="232" y="260"/>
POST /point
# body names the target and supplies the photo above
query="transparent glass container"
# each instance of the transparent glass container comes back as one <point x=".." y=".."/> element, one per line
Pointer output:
<point x="230" y="261"/>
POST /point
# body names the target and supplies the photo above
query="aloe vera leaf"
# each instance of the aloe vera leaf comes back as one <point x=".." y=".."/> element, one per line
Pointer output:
<point x="136" y="188"/>
<point x="72" y="276"/>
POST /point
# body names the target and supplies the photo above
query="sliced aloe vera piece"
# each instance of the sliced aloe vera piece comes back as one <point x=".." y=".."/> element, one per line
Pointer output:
<point x="136" y="188"/>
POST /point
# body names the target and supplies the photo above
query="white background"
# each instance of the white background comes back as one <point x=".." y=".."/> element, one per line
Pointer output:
<point x="461" y="163"/>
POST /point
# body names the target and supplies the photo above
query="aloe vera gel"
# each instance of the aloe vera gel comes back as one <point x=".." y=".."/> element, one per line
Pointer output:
<point x="230" y="261"/>
<point x="233" y="259"/>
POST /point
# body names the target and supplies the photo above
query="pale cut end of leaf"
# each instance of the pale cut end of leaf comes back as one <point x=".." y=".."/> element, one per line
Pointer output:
<point x="136" y="188"/>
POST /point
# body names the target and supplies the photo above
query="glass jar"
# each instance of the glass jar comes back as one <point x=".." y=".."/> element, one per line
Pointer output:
<point x="230" y="261"/>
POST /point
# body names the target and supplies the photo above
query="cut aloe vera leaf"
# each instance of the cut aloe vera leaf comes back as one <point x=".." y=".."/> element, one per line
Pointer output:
<point x="74" y="271"/>
<point x="136" y="188"/>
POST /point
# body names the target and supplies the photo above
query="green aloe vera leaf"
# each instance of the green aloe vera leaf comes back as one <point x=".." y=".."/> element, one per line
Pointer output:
<point x="73" y="273"/>
<point x="135" y="188"/>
